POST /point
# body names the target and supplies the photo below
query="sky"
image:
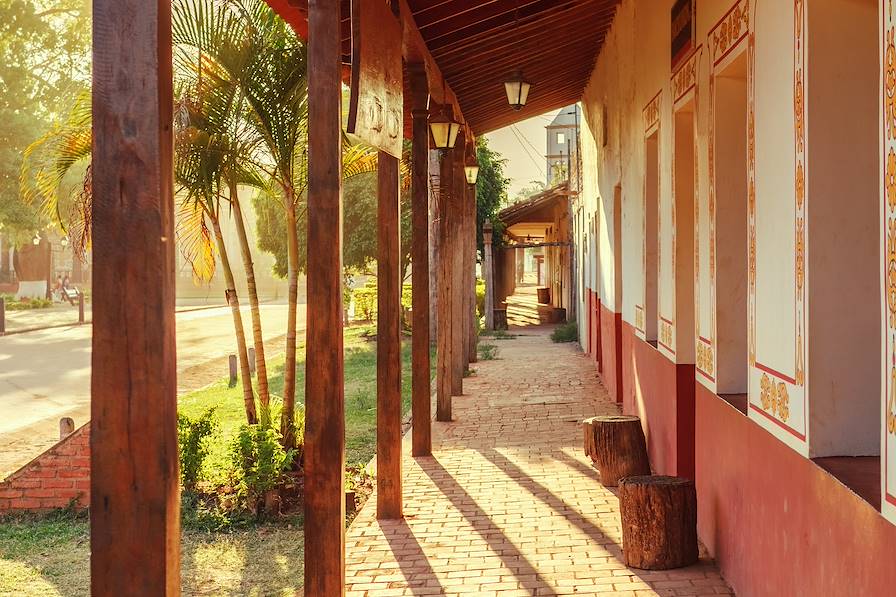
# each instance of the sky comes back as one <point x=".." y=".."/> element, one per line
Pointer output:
<point x="523" y="145"/>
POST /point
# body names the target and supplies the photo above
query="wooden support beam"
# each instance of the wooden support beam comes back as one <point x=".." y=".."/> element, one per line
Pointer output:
<point x="456" y="255"/>
<point x="421" y="410"/>
<point x="324" y="377"/>
<point x="472" y="338"/>
<point x="388" y="341"/>
<point x="135" y="497"/>
<point x="444" y="359"/>
<point x="488" y="273"/>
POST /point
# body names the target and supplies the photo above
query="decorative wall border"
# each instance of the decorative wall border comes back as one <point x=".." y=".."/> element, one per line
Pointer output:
<point x="888" y="239"/>
<point x="684" y="80"/>
<point x="683" y="83"/>
<point x="774" y="397"/>
<point x="726" y="36"/>
<point x="665" y="334"/>
<point x="651" y="115"/>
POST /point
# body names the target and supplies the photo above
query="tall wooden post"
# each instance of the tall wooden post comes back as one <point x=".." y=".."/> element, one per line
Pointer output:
<point x="324" y="393"/>
<point x="388" y="344"/>
<point x="466" y="275"/>
<point x="472" y="337"/>
<point x="458" y="322"/>
<point x="135" y="498"/>
<point x="488" y="273"/>
<point x="421" y="414"/>
<point x="444" y="349"/>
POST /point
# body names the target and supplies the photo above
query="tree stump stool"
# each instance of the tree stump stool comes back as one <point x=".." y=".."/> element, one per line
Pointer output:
<point x="659" y="522"/>
<point x="616" y="446"/>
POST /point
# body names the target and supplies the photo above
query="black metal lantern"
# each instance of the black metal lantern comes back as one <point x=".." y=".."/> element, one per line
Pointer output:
<point x="444" y="129"/>
<point x="471" y="170"/>
<point x="517" y="89"/>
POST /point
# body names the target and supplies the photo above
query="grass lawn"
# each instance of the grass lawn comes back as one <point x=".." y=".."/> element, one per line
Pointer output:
<point x="49" y="556"/>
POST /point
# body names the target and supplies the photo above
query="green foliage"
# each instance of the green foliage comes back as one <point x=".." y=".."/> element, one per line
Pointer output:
<point x="566" y="332"/>
<point x="487" y="352"/>
<point x="26" y="303"/>
<point x="359" y="194"/>
<point x="259" y="461"/>
<point x="44" y="64"/>
<point x="365" y="299"/>
<point x="480" y="297"/>
<point x="491" y="190"/>
<point x="193" y="435"/>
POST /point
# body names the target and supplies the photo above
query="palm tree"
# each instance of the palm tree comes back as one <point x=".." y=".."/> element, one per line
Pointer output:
<point x="202" y="30"/>
<point x="207" y="155"/>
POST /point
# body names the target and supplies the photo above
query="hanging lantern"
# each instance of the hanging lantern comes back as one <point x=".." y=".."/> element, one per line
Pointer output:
<point x="472" y="172"/>
<point x="36" y="240"/>
<point x="517" y="89"/>
<point x="444" y="129"/>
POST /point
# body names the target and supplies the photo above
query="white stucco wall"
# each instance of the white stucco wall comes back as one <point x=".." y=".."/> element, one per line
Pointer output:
<point x="768" y="293"/>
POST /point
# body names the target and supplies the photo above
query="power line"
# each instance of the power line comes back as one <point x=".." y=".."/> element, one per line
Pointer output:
<point x="523" y="143"/>
<point x="537" y="151"/>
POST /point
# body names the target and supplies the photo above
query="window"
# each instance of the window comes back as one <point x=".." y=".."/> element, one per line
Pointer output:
<point x="843" y="279"/>
<point x="731" y="231"/>
<point x="684" y="233"/>
<point x="651" y="239"/>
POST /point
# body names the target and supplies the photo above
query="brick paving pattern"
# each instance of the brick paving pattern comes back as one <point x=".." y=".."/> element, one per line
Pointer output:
<point x="508" y="504"/>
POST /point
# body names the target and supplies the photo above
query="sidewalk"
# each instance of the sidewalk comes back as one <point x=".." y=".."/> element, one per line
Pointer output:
<point x="508" y="504"/>
<point x="63" y="315"/>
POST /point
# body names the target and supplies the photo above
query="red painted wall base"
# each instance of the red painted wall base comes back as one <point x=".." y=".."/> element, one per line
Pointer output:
<point x="661" y="393"/>
<point x="610" y="337"/>
<point x="776" y="523"/>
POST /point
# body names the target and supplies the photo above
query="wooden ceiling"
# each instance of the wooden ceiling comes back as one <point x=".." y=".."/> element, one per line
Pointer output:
<point x="478" y="44"/>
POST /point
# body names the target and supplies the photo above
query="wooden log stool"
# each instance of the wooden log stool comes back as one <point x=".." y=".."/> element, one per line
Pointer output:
<point x="659" y="522"/>
<point x="616" y="446"/>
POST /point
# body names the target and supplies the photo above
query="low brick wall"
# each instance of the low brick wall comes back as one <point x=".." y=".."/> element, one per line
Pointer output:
<point x="52" y="480"/>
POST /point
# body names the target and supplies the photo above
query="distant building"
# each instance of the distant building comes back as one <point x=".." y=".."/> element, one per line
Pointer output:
<point x="562" y="147"/>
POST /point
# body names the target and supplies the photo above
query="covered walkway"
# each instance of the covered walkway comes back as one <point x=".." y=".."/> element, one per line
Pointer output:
<point x="508" y="504"/>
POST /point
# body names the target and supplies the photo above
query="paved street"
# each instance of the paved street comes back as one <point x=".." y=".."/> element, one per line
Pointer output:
<point x="45" y="375"/>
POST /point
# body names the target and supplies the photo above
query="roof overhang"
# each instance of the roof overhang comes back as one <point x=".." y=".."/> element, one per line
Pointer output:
<point x="470" y="48"/>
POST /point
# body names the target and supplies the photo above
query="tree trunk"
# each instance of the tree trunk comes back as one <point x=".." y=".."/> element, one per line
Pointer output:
<point x="659" y="522"/>
<point x="234" y="302"/>
<point x="261" y="370"/>
<point x="287" y="417"/>
<point x="617" y="447"/>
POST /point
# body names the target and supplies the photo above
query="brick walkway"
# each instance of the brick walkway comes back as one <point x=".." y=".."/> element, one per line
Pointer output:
<point x="508" y="505"/>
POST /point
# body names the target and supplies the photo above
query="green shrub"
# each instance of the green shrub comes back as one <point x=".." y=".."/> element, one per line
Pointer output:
<point x="480" y="297"/>
<point x="193" y="445"/>
<point x="566" y="332"/>
<point x="487" y="352"/>
<point x="259" y="461"/>
<point x="365" y="300"/>
<point x="25" y="304"/>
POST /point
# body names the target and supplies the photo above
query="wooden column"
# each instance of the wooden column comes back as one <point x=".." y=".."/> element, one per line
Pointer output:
<point x="324" y="392"/>
<point x="388" y="341"/>
<point x="421" y="410"/>
<point x="444" y="348"/>
<point x="472" y="337"/>
<point x="488" y="273"/>
<point x="466" y="276"/>
<point x="456" y="255"/>
<point x="135" y="498"/>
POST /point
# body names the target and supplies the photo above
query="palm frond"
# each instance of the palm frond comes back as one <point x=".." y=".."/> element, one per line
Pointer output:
<point x="47" y="161"/>
<point x="195" y="241"/>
